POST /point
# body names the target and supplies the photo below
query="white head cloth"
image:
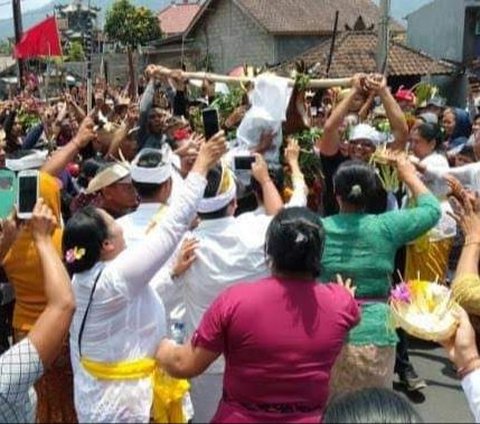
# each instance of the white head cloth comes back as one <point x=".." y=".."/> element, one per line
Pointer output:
<point x="157" y="175"/>
<point x="34" y="160"/>
<point x="227" y="191"/>
<point x="365" y="132"/>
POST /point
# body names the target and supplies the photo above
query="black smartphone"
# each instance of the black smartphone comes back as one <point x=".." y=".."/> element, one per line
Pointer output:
<point x="210" y="123"/>
<point x="28" y="188"/>
<point x="243" y="162"/>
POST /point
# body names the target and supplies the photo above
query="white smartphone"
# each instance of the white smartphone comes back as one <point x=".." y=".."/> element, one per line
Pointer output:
<point x="28" y="189"/>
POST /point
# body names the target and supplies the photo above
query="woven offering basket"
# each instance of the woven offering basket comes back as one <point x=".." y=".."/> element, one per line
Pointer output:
<point x="424" y="310"/>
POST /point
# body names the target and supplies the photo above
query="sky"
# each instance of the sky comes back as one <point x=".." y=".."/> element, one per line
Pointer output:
<point x="6" y="9"/>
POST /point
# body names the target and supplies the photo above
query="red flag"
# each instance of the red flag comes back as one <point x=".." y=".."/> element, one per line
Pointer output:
<point x="40" y="40"/>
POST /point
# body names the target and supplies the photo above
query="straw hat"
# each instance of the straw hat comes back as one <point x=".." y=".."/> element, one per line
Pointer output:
<point x="107" y="177"/>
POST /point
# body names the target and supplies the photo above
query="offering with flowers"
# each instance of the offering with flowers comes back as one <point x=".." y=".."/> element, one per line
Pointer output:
<point x="382" y="158"/>
<point x="424" y="309"/>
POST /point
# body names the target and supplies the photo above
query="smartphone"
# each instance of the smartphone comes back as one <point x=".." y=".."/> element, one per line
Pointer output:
<point x="210" y="123"/>
<point x="8" y="192"/>
<point x="28" y="188"/>
<point x="243" y="162"/>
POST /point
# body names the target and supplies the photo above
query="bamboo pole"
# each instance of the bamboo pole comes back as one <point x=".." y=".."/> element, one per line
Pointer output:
<point x="314" y="83"/>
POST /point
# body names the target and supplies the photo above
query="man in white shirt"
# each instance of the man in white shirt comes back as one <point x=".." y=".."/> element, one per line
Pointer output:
<point x="230" y="250"/>
<point x="151" y="173"/>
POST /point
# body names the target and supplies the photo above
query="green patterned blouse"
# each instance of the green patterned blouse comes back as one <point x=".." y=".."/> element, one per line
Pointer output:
<point x="362" y="247"/>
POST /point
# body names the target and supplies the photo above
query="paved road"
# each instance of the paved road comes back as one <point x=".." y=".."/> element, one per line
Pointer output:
<point x="443" y="400"/>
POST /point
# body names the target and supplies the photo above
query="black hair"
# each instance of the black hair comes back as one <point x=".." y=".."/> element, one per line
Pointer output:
<point x="355" y="182"/>
<point x="468" y="152"/>
<point x="374" y="405"/>
<point x="148" y="160"/>
<point x="214" y="178"/>
<point x="276" y="174"/>
<point x="86" y="229"/>
<point x="294" y="241"/>
<point x="431" y="132"/>
<point x="88" y="169"/>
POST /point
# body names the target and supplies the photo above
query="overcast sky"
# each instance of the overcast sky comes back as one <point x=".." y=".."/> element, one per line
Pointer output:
<point x="6" y="10"/>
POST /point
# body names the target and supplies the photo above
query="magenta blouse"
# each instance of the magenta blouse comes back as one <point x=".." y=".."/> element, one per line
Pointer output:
<point x="280" y="339"/>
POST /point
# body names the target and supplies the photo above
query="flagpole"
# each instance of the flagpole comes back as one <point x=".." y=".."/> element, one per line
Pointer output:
<point x="89" y="62"/>
<point x="17" y="23"/>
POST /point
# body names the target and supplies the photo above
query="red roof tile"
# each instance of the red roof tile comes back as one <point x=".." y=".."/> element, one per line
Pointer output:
<point x="176" y="18"/>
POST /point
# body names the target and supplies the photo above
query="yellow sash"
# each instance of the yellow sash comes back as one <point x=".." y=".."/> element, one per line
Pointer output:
<point x="168" y="392"/>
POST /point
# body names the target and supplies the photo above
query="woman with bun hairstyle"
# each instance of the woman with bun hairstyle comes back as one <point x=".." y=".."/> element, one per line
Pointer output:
<point x="362" y="247"/>
<point x="280" y="335"/>
<point x="428" y="255"/>
<point x="120" y="319"/>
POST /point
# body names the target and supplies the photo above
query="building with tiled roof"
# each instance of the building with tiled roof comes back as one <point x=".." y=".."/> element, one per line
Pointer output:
<point x="227" y="33"/>
<point x="355" y="51"/>
<point x="310" y="16"/>
<point x="177" y="17"/>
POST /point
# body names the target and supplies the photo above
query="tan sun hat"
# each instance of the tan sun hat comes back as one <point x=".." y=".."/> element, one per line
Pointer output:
<point x="107" y="177"/>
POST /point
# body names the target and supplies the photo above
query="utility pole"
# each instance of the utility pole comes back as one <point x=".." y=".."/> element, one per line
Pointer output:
<point x="17" y="23"/>
<point x="383" y="41"/>
<point x="89" y="49"/>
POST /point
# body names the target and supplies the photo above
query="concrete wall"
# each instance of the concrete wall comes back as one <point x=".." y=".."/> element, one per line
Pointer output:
<point x="117" y="65"/>
<point x="438" y="29"/>
<point x="287" y="47"/>
<point x="232" y="39"/>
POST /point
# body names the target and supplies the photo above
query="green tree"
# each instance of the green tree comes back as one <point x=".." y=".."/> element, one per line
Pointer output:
<point x="131" y="26"/>
<point x="76" y="52"/>
<point x="5" y="47"/>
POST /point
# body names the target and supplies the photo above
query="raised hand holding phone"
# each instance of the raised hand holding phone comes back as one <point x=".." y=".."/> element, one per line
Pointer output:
<point x="210" y="122"/>
<point x="28" y="191"/>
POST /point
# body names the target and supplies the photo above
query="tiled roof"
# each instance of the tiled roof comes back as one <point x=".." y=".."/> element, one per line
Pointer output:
<point x="310" y="16"/>
<point x="355" y="51"/>
<point x="296" y="17"/>
<point x="176" y="18"/>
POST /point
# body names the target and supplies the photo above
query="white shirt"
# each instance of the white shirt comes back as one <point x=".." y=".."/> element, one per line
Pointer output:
<point x="126" y="320"/>
<point x="134" y="227"/>
<point x="471" y="387"/>
<point x="230" y="251"/>
<point x="20" y="369"/>
<point x="468" y="175"/>
<point x="136" y="224"/>
<point x="446" y="226"/>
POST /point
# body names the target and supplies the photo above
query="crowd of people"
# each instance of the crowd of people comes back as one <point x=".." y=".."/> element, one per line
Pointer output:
<point x="157" y="281"/>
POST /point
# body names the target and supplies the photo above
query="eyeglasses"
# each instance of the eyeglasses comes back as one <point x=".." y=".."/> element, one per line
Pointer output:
<point x="364" y="144"/>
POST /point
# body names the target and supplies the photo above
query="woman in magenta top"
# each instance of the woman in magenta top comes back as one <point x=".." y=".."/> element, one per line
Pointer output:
<point x="280" y="336"/>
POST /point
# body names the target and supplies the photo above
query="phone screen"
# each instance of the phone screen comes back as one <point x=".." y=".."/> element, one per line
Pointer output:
<point x="244" y="162"/>
<point x="27" y="188"/>
<point x="210" y="122"/>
